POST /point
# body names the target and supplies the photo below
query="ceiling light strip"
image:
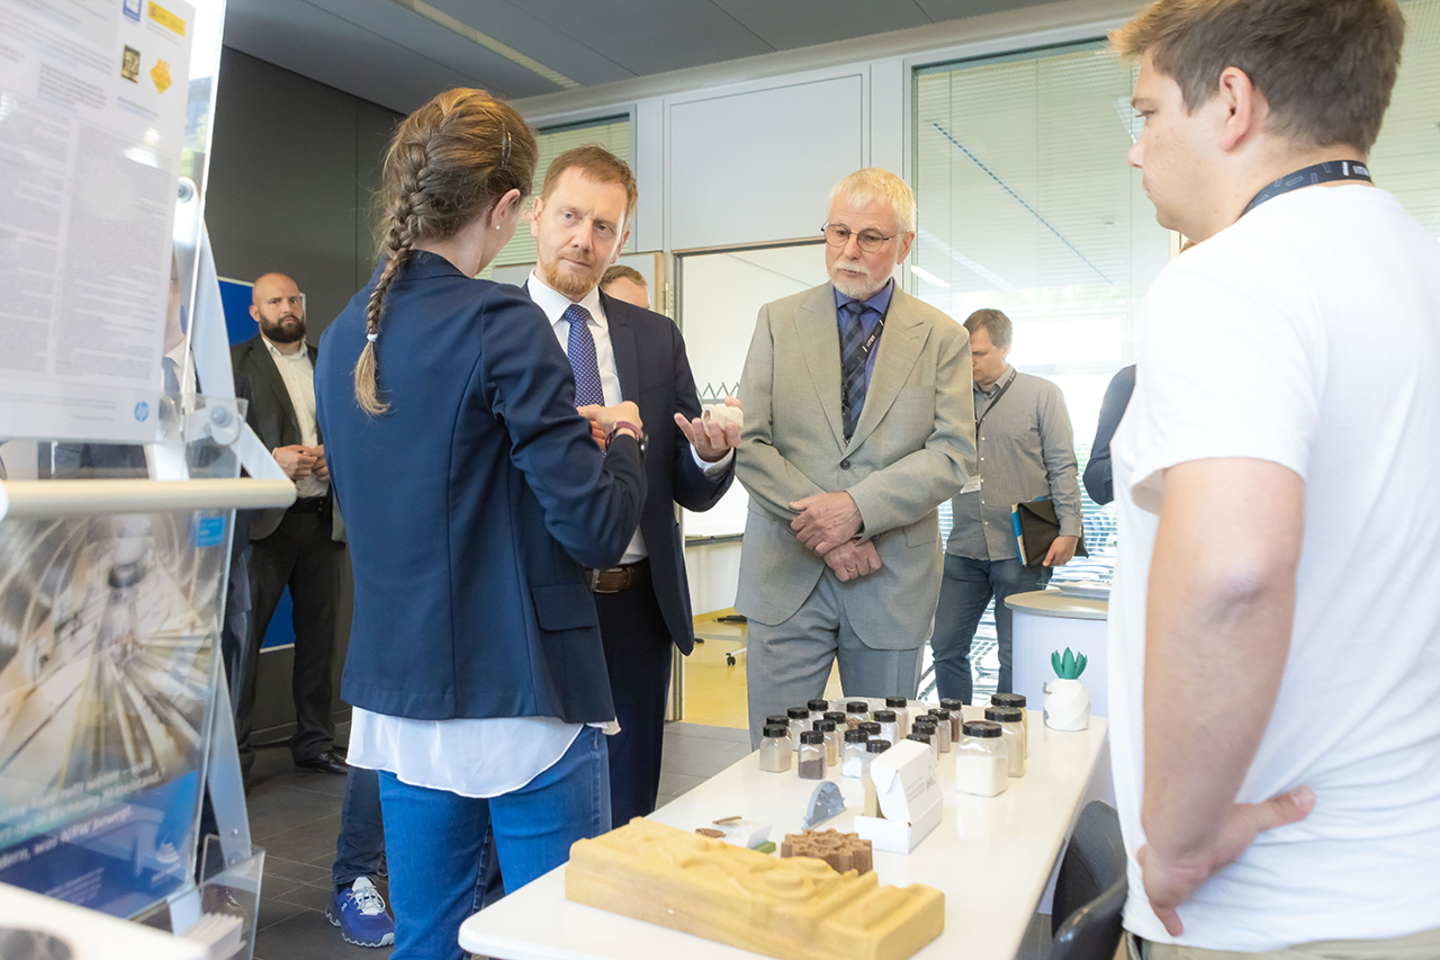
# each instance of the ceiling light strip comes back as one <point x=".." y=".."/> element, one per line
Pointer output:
<point x="488" y="42"/>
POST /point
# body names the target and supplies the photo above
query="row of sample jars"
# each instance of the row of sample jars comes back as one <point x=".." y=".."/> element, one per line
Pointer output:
<point x="993" y="750"/>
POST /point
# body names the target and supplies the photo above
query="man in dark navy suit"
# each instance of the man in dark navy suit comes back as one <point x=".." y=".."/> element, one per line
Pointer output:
<point x="622" y="352"/>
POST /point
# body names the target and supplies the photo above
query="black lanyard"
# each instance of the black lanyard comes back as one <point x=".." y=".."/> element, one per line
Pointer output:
<point x="1328" y="172"/>
<point x="979" y="418"/>
<point x="869" y="343"/>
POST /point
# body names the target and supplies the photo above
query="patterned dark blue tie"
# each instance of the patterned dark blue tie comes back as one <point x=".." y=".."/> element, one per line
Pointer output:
<point x="852" y="364"/>
<point x="581" y="347"/>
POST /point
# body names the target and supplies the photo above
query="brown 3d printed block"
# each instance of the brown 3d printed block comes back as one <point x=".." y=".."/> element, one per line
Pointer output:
<point x="843" y="851"/>
<point x="797" y="909"/>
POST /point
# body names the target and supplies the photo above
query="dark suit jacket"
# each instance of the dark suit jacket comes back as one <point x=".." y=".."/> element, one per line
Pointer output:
<point x="272" y="412"/>
<point x="471" y="506"/>
<point x="655" y="373"/>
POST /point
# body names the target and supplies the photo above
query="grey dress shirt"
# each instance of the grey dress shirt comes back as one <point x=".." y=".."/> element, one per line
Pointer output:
<point x="1027" y="451"/>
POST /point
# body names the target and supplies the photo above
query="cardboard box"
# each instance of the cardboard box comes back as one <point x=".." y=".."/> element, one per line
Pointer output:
<point x="910" y="798"/>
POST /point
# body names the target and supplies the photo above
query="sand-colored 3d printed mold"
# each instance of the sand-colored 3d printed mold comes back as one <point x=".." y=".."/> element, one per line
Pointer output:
<point x="796" y="909"/>
<point x="843" y="851"/>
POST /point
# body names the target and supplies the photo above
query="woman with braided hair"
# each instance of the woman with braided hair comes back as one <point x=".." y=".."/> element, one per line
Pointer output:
<point x="473" y="494"/>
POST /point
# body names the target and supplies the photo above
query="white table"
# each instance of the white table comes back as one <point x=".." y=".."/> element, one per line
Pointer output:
<point x="991" y="857"/>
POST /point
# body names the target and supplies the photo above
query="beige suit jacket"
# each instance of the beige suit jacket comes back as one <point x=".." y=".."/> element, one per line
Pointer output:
<point x="913" y="449"/>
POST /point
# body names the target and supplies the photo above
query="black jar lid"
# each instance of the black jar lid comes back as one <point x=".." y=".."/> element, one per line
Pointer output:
<point x="1008" y="700"/>
<point x="940" y="713"/>
<point x="1004" y="714"/>
<point x="870" y="727"/>
<point x="920" y="738"/>
<point x="824" y="726"/>
<point x="798" y="713"/>
<point x="897" y="702"/>
<point x="877" y="746"/>
<point x="856" y="736"/>
<point x="837" y="715"/>
<point x="818" y="706"/>
<point x="924" y="723"/>
<point x="812" y="737"/>
<point x="982" y="728"/>
<point x="777" y="730"/>
<point x="857" y="706"/>
<point x="952" y="705"/>
<point x="884" y="716"/>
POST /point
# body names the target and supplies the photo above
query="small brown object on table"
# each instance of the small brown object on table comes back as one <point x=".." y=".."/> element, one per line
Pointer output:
<point x="710" y="832"/>
<point x="843" y="851"/>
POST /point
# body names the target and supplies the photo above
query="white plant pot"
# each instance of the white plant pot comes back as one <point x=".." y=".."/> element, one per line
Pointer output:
<point x="1067" y="705"/>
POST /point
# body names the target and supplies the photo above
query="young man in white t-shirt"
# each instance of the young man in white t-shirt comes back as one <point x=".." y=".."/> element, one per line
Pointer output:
<point x="1275" y="623"/>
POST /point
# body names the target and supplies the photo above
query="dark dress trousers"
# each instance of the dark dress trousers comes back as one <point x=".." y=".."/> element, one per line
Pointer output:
<point x="639" y="624"/>
<point x="295" y="548"/>
<point x="471" y="506"/>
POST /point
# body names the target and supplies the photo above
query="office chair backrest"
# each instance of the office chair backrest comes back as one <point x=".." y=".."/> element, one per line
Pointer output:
<point x="1091" y="888"/>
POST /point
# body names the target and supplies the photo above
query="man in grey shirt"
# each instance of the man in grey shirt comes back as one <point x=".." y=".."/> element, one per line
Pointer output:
<point x="1027" y="452"/>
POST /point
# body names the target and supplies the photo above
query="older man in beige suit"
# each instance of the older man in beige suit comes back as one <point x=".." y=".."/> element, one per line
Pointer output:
<point x="858" y="423"/>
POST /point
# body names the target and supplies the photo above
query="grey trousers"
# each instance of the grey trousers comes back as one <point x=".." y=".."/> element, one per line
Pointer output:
<point x="789" y="663"/>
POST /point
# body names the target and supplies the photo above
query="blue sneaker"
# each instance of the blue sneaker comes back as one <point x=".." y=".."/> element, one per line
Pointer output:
<point x="359" y="911"/>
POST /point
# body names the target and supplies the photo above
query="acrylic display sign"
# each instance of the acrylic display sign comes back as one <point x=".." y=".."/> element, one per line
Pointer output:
<point x="109" y="629"/>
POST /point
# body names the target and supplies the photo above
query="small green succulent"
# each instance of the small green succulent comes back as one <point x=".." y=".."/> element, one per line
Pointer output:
<point x="1070" y="666"/>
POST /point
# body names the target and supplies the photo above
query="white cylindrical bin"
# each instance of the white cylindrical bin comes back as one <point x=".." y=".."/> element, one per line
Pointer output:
<point x="1046" y="621"/>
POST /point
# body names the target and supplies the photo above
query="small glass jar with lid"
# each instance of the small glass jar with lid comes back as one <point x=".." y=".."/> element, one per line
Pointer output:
<point x="873" y="749"/>
<point x="942" y="727"/>
<point x="775" y="749"/>
<point x="784" y="721"/>
<point x="982" y="763"/>
<point x="856" y="712"/>
<point x="852" y="753"/>
<point x="956" y="719"/>
<point x="799" y="723"/>
<point x="811" y="757"/>
<point x="1015" y="700"/>
<point x="817" y="708"/>
<point x="889" y="725"/>
<point x="832" y="740"/>
<point x="1010" y="720"/>
<point x="926" y="726"/>
<point x="901" y="706"/>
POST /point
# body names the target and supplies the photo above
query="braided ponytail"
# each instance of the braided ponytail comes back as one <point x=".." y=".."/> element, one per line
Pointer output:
<point x="449" y="162"/>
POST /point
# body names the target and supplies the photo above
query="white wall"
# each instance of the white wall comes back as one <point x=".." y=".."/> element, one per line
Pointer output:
<point x="746" y="152"/>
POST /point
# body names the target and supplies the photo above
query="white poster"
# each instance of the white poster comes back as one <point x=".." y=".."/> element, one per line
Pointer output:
<point x="92" y="121"/>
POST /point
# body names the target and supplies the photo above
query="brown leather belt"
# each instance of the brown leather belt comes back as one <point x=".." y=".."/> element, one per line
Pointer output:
<point x="615" y="579"/>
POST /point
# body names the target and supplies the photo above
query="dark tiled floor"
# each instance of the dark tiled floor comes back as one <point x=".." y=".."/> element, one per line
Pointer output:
<point x="295" y="816"/>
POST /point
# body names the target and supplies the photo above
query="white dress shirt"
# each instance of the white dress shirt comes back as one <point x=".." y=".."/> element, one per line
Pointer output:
<point x="299" y="376"/>
<point x="554" y="304"/>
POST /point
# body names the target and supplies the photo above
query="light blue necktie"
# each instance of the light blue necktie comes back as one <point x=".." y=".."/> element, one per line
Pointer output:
<point x="581" y="347"/>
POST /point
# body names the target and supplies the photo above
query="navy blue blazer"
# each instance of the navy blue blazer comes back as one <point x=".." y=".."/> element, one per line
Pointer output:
<point x="471" y="506"/>
<point x="655" y="373"/>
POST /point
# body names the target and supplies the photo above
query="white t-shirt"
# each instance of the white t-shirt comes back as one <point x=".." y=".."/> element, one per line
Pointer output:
<point x="1307" y="334"/>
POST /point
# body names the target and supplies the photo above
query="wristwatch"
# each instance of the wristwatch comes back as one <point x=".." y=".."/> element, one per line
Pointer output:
<point x="639" y="434"/>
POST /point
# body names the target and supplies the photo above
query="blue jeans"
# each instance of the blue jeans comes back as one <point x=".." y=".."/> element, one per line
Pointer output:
<point x="361" y="844"/>
<point x="965" y="592"/>
<point x="436" y="842"/>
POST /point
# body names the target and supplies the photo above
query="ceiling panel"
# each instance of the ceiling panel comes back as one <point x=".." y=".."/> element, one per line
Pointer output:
<point x="803" y="23"/>
<point x="315" y="43"/>
<point x="652" y="36"/>
<point x="513" y="24"/>
<point x="939" y="10"/>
